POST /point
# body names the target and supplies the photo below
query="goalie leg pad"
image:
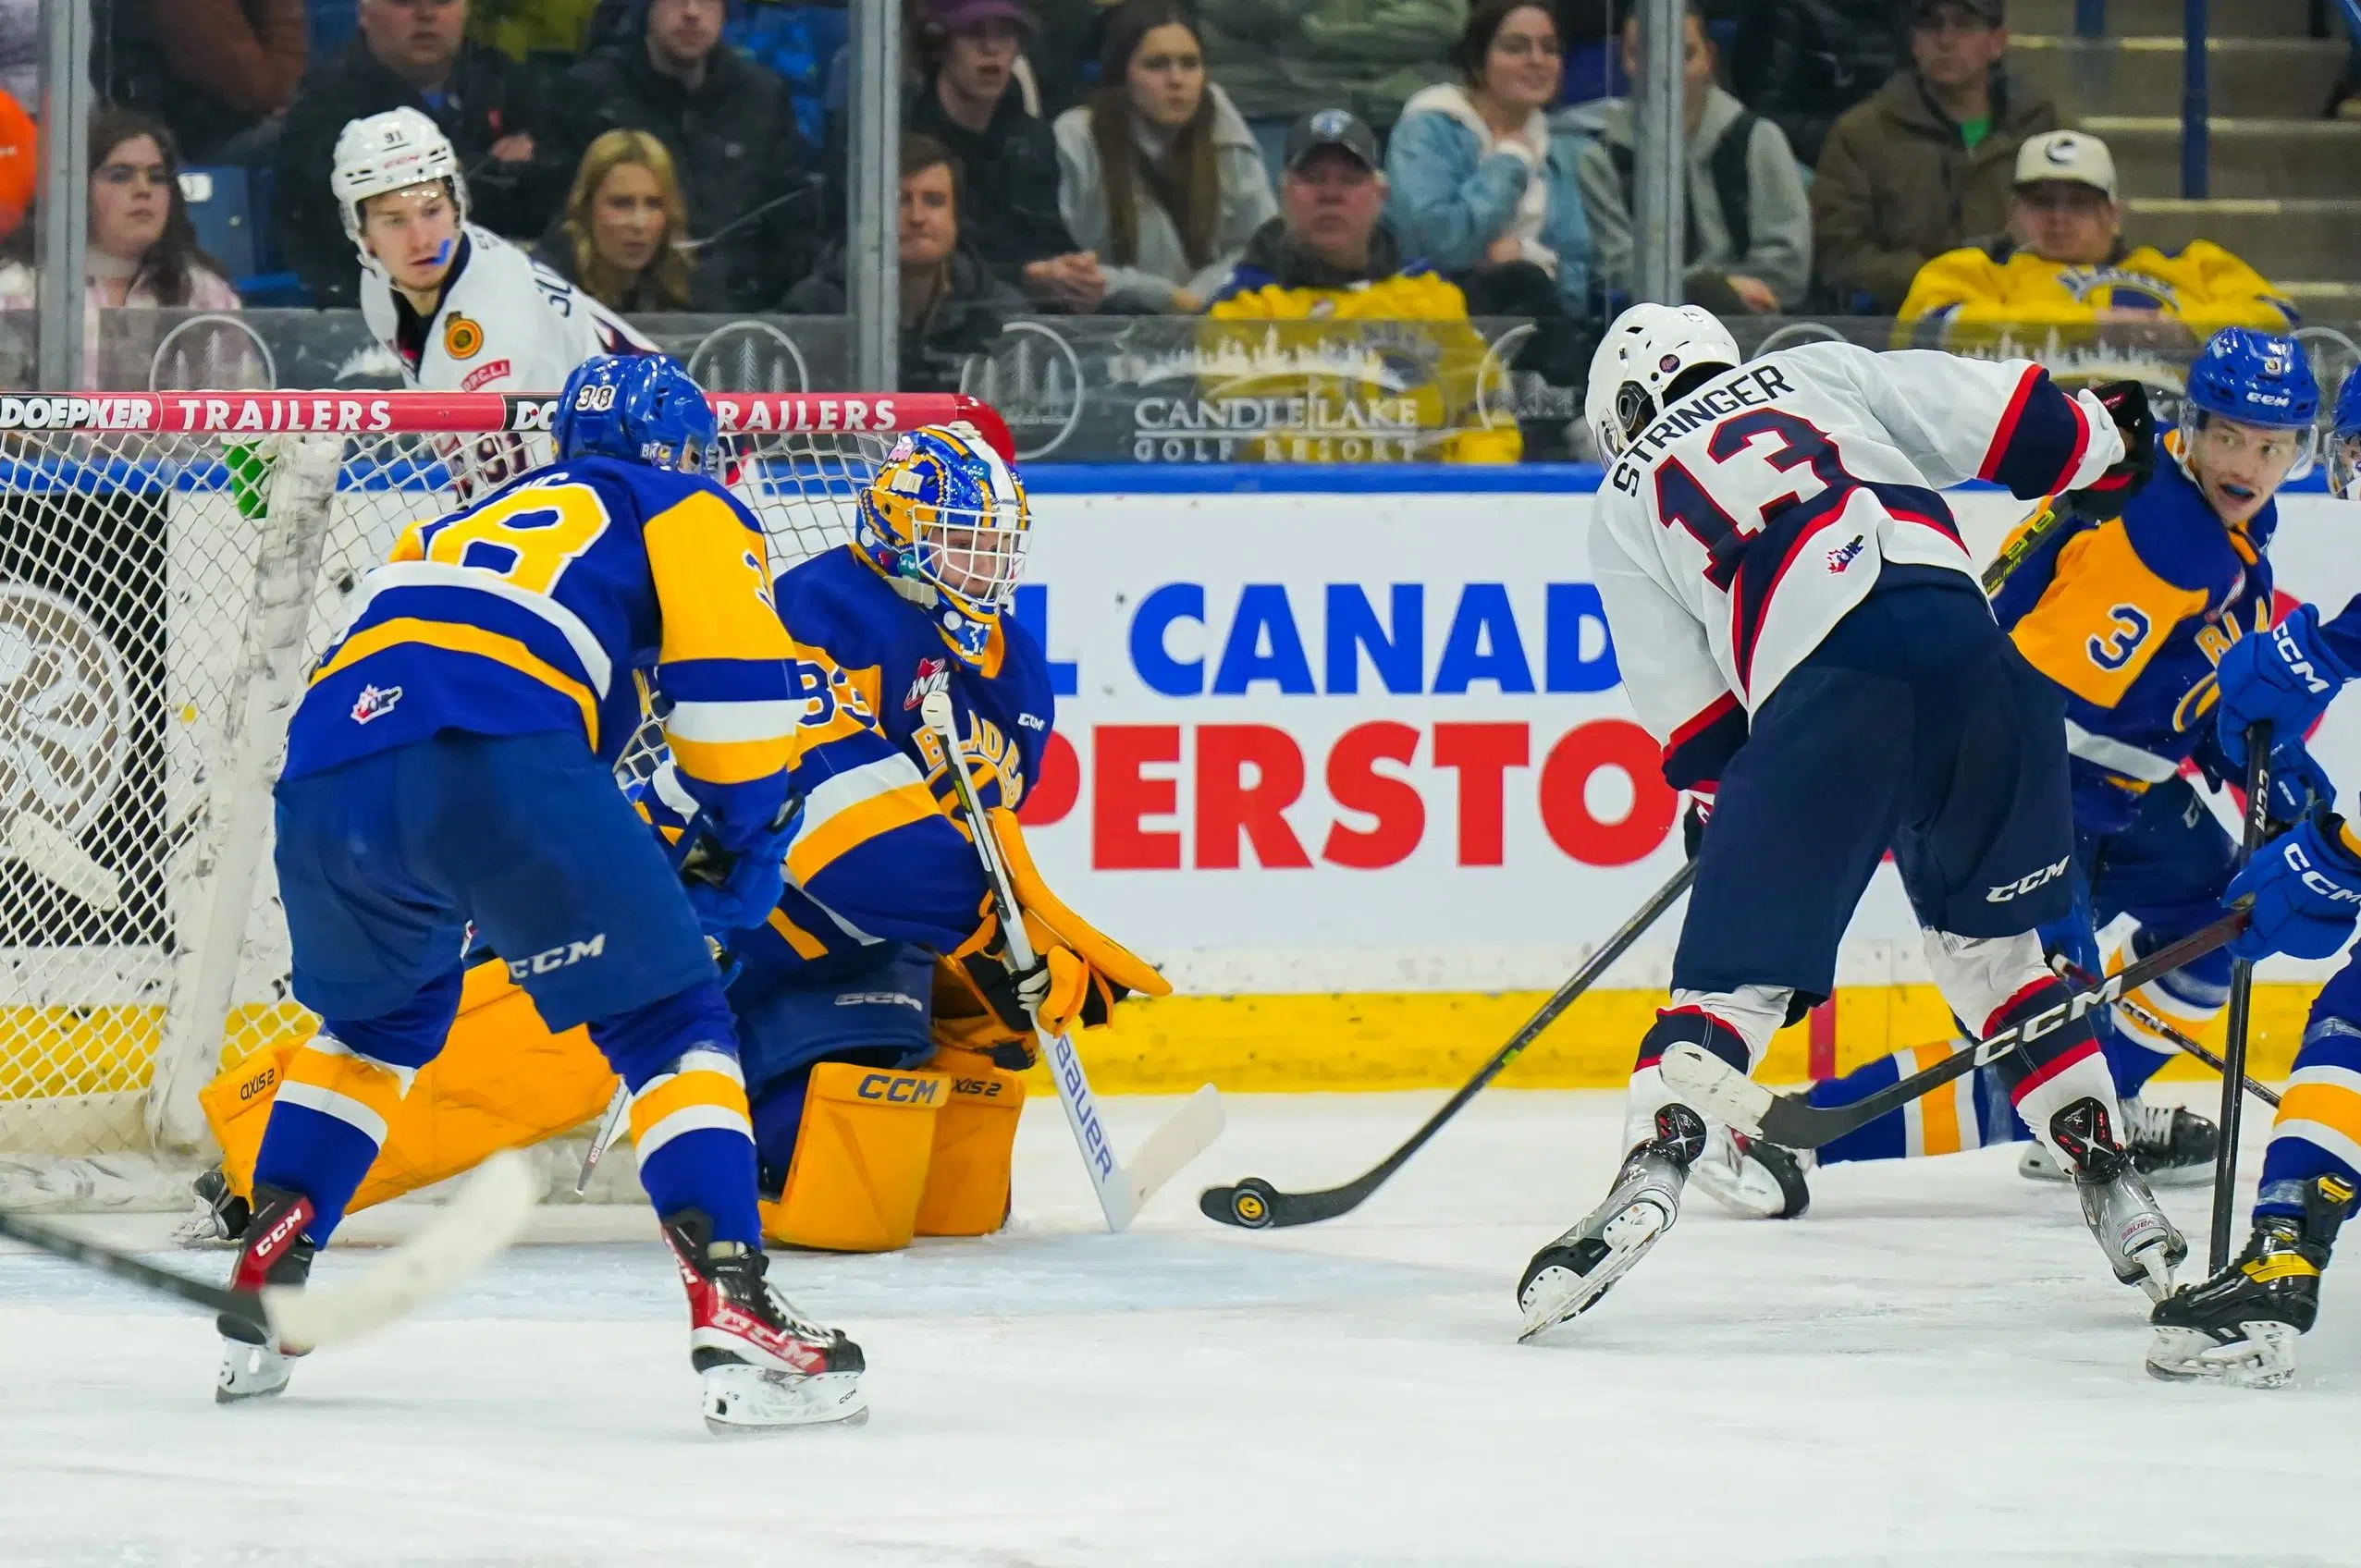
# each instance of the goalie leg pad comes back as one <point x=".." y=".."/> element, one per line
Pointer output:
<point x="967" y="1181"/>
<point x="862" y="1152"/>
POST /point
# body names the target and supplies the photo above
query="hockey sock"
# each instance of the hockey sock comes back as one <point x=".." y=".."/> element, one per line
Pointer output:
<point x="2319" y="1129"/>
<point x="2061" y="1067"/>
<point x="1686" y="1023"/>
<point x="326" y="1124"/>
<point x="1967" y="1113"/>
<point x="689" y="1125"/>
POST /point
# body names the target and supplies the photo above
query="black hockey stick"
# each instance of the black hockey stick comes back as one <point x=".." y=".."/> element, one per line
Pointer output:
<point x="2238" y="1014"/>
<point x="2162" y="1028"/>
<point x="2030" y="536"/>
<point x="1257" y="1205"/>
<point x="1713" y="1085"/>
<point x="481" y="1219"/>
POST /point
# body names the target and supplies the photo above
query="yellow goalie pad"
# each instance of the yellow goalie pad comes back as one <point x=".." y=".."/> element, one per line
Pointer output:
<point x="503" y="1081"/>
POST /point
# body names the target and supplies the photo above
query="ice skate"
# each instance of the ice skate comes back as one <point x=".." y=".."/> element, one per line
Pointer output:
<point x="765" y="1368"/>
<point x="1568" y="1277"/>
<point x="2171" y="1146"/>
<point x="274" y="1252"/>
<point x="2141" y="1245"/>
<point x="1750" y="1178"/>
<point x="2240" y="1327"/>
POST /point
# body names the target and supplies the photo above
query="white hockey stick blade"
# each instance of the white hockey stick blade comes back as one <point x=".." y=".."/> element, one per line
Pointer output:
<point x="1185" y="1134"/>
<point x="1715" y="1087"/>
<point x="603" y="1139"/>
<point x="40" y="844"/>
<point x="481" y="1219"/>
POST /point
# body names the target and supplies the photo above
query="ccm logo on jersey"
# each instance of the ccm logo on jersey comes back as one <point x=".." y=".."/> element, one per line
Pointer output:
<point x="2291" y="653"/>
<point x="880" y="999"/>
<point x="1032" y="721"/>
<point x="557" y="958"/>
<point x="2026" y="883"/>
<point x="374" y="701"/>
<point x="934" y="675"/>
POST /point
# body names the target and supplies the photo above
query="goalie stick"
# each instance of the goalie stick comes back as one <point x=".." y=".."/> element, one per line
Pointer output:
<point x="1257" y="1204"/>
<point x="1714" y="1086"/>
<point x="1188" y="1133"/>
<point x="482" y="1218"/>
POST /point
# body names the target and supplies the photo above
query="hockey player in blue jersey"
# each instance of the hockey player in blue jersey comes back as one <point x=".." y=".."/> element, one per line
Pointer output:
<point x="881" y="881"/>
<point x="2241" y="1326"/>
<point x="2128" y="618"/>
<point x="450" y="765"/>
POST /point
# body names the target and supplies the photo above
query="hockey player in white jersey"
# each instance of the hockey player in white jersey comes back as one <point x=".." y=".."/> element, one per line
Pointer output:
<point x="1800" y="628"/>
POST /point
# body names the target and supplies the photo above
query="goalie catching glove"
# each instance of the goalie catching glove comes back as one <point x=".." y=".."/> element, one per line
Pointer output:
<point x="1079" y="971"/>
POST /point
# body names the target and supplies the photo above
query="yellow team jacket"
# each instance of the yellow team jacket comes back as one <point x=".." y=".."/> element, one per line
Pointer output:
<point x="1387" y="372"/>
<point x="1970" y="295"/>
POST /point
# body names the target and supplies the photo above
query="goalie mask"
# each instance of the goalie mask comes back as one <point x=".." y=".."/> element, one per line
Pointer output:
<point x="946" y="521"/>
<point x="387" y="152"/>
<point x="1647" y="349"/>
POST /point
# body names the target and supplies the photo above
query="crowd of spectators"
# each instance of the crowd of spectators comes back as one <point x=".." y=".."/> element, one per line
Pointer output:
<point x="1151" y="158"/>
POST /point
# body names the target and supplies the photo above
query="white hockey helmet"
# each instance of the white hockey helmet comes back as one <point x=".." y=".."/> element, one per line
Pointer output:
<point x="391" y="152"/>
<point x="1646" y="350"/>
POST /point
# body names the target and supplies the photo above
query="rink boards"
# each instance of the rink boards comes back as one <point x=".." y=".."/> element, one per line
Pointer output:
<point x="1348" y="751"/>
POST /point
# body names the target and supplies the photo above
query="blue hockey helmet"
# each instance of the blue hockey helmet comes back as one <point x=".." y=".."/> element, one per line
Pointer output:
<point x="641" y="408"/>
<point x="2344" y="440"/>
<point x="2254" y="379"/>
<point x="947" y="512"/>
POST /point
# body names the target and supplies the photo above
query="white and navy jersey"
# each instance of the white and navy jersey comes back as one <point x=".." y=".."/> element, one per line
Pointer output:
<point x="1752" y="515"/>
<point x="506" y="324"/>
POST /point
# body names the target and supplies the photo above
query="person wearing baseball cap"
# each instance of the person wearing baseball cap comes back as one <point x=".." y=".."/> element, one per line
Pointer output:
<point x="2063" y="264"/>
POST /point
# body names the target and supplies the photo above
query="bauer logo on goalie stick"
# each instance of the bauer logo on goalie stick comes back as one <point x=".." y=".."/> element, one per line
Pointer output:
<point x="62" y="712"/>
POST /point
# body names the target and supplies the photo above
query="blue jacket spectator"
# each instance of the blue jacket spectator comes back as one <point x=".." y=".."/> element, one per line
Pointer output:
<point x="1479" y="179"/>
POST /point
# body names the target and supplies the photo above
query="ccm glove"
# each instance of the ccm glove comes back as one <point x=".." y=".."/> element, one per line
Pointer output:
<point x="735" y="889"/>
<point x="2285" y="677"/>
<point x="2298" y="783"/>
<point x="2126" y="403"/>
<point x="2306" y="886"/>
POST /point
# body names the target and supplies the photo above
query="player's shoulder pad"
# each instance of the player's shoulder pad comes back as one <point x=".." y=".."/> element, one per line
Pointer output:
<point x="837" y="601"/>
<point x="2178" y="537"/>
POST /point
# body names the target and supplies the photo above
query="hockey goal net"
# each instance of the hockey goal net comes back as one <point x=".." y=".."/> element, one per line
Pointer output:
<point x="170" y="564"/>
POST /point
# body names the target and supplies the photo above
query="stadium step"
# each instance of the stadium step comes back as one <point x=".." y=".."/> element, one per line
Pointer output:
<point x="2296" y="238"/>
<point x="2130" y="19"/>
<point x="2251" y="158"/>
<point x="2142" y="76"/>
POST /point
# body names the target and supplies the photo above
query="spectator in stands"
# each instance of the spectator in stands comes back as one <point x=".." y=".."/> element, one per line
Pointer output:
<point x="1068" y="38"/>
<point x="1924" y="165"/>
<point x="968" y="52"/>
<point x="1157" y="175"/>
<point x="143" y="250"/>
<point x="952" y="305"/>
<point x="210" y="69"/>
<point x="2063" y="264"/>
<point x="618" y="236"/>
<point x="731" y="129"/>
<point x="412" y="53"/>
<point x="1748" y="225"/>
<point x="1277" y="55"/>
<point x="1327" y="262"/>
<point x="1481" y="188"/>
<point x="1801" y="64"/>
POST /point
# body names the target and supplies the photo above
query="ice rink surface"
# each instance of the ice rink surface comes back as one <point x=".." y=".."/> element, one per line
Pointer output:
<point x="1930" y="1368"/>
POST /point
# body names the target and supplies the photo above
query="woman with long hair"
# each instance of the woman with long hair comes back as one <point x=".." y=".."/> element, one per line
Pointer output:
<point x="618" y="238"/>
<point x="1158" y="173"/>
<point x="1481" y="184"/>
<point x="143" y="249"/>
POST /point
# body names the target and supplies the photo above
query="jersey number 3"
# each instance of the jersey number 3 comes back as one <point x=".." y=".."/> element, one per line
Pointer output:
<point x="1796" y="444"/>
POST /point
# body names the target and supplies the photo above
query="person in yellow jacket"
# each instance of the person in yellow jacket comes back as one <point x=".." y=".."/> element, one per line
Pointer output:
<point x="2063" y="266"/>
<point x="1326" y="346"/>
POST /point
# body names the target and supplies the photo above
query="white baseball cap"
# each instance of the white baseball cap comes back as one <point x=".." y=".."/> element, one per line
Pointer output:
<point x="2070" y="156"/>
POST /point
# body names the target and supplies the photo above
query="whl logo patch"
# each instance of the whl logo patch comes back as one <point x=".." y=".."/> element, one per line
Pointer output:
<point x="934" y="675"/>
<point x="374" y="703"/>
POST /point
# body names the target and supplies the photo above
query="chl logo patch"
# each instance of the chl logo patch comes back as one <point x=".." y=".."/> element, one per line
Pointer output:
<point x="374" y="701"/>
<point x="1846" y="553"/>
<point x="463" y="340"/>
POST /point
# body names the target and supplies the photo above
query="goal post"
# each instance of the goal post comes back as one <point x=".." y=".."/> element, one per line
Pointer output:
<point x="170" y="566"/>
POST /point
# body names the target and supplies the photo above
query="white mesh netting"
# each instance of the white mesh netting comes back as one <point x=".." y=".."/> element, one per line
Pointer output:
<point x="162" y="591"/>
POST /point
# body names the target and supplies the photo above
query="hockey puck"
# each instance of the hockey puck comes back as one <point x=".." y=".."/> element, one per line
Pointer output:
<point x="1250" y="1203"/>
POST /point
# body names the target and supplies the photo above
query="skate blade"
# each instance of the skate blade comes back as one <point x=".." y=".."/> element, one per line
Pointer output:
<point x="246" y="1376"/>
<point x="2181" y="1175"/>
<point x="1559" y="1293"/>
<point x="2263" y="1359"/>
<point x="741" y="1400"/>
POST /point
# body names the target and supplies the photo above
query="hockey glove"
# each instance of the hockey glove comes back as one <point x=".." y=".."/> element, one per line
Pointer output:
<point x="2285" y="677"/>
<point x="2298" y="783"/>
<point x="735" y="889"/>
<point x="1693" y="820"/>
<point x="2306" y="886"/>
<point x="2126" y="403"/>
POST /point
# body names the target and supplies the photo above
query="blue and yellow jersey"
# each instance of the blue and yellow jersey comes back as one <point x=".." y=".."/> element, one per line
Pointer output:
<point x="879" y="856"/>
<point x="546" y="606"/>
<point x="2130" y="617"/>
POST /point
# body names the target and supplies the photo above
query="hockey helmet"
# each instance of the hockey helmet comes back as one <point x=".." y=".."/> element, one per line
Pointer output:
<point x="391" y="152"/>
<point x="2253" y="378"/>
<point x="641" y="407"/>
<point x="2344" y="440"/>
<point x="1647" y="349"/>
<point x="946" y="518"/>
